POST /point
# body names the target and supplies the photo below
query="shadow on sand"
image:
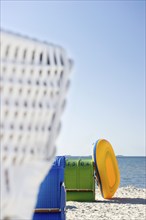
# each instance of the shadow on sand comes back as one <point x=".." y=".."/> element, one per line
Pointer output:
<point x="134" y="201"/>
<point x="71" y="207"/>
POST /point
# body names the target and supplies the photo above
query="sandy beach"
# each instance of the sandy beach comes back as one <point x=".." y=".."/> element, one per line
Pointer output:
<point x="129" y="203"/>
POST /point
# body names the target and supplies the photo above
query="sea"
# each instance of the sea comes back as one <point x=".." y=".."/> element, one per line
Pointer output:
<point x="132" y="171"/>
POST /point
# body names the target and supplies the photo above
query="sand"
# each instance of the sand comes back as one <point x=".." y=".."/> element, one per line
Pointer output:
<point x="129" y="203"/>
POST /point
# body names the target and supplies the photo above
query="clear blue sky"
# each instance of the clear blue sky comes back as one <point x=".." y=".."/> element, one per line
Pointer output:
<point x="106" y="40"/>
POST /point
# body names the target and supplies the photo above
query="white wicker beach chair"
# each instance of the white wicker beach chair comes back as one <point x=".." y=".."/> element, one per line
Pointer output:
<point x="34" y="81"/>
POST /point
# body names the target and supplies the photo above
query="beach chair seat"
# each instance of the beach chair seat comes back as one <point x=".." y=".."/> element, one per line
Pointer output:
<point x="79" y="179"/>
<point x="106" y="168"/>
<point x="51" y="201"/>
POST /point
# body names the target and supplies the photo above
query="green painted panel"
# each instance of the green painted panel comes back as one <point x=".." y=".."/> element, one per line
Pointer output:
<point x="86" y="174"/>
<point x="71" y="175"/>
<point x="79" y="179"/>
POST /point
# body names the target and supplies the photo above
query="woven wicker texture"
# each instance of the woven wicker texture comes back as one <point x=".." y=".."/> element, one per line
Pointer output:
<point x="34" y="81"/>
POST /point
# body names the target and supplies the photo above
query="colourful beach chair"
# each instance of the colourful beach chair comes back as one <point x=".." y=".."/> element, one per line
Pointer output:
<point x="106" y="168"/>
<point x="79" y="179"/>
<point x="34" y="81"/>
<point x="51" y="201"/>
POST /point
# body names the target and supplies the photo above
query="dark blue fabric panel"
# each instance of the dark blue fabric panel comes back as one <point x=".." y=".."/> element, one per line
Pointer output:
<point x="52" y="192"/>
<point x="50" y="216"/>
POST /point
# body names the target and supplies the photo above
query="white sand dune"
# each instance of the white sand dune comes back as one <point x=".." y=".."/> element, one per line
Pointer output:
<point x="129" y="203"/>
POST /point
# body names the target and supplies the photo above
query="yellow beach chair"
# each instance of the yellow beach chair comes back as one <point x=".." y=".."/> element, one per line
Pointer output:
<point x="106" y="168"/>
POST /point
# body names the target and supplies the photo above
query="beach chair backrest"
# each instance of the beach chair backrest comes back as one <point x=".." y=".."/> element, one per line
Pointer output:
<point x="79" y="179"/>
<point x="106" y="168"/>
<point x="34" y="82"/>
<point x="52" y="196"/>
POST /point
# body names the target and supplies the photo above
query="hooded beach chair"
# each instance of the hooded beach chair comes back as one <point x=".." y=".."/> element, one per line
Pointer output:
<point x="79" y="179"/>
<point x="34" y="82"/>
<point x="106" y="168"/>
<point x="51" y="202"/>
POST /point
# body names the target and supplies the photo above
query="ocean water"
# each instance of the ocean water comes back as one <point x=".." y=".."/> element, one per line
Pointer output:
<point x="132" y="171"/>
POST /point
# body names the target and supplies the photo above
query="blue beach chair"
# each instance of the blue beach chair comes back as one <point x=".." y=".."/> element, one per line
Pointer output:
<point x="51" y="201"/>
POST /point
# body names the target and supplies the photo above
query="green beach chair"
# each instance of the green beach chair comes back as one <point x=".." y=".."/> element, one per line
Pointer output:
<point x="79" y="179"/>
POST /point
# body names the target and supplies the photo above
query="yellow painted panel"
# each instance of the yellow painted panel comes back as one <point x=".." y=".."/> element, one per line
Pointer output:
<point x="106" y="166"/>
<point x="110" y="171"/>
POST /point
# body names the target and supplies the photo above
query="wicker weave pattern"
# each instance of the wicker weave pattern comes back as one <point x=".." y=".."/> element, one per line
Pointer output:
<point x="34" y="80"/>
